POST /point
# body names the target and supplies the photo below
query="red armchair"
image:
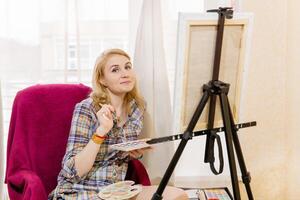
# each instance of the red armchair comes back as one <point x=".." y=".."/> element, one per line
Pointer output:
<point x="38" y="133"/>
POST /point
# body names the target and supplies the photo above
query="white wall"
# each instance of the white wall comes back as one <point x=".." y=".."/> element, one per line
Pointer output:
<point x="275" y="96"/>
<point x="293" y="100"/>
<point x="265" y="148"/>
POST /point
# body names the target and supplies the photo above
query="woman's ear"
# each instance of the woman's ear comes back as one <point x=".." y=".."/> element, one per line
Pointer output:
<point x="103" y="82"/>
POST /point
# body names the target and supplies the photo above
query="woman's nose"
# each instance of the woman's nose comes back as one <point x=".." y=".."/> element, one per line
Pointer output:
<point x="124" y="73"/>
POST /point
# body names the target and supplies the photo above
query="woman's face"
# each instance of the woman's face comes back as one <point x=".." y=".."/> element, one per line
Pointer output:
<point x="119" y="76"/>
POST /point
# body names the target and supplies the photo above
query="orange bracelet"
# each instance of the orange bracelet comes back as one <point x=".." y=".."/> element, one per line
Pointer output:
<point x="98" y="139"/>
<point x="101" y="137"/>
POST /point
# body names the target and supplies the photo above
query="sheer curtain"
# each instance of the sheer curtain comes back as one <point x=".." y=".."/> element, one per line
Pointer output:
<point x="57" y="41"/>
<point x="149" y="62"/>
<point x="155" y="67"/>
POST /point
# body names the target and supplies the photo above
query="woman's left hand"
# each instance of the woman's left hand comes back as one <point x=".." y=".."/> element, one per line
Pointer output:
<point x="138" y="153"/>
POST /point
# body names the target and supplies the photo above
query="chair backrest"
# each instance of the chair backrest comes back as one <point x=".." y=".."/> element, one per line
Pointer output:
<point x="38" y="133"/>
<point x="39" y="129"/>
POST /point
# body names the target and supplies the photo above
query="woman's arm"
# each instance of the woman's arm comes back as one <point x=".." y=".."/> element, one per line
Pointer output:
<point x="80" y="147"/>
<point x="85" y="159"/>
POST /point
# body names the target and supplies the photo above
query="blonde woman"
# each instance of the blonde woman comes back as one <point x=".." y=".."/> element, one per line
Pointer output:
<point x="112" y="114"/>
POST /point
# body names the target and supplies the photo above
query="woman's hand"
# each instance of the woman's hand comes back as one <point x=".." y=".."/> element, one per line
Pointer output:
<point x="138" y="153"/>
<point x="105" y="119"/>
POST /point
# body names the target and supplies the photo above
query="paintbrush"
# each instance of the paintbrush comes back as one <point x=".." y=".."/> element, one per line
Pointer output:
<point x="116" y="119"/>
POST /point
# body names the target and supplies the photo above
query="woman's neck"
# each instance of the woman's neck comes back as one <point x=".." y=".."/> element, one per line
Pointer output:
<point x="117" y="101"/>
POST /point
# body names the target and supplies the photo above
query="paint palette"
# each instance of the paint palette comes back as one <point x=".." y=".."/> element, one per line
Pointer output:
<point x="131" y="145"/>
<point x="120" y="191"/>
<point x="216" y="194"/>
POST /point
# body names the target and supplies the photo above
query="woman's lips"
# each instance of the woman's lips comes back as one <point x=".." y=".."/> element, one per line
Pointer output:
<point x="125" y="82"/>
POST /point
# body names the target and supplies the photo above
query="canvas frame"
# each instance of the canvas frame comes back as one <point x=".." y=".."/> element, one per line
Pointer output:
<point x="194" y="64"/>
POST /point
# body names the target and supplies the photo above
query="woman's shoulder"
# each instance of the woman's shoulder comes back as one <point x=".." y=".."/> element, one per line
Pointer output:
<point x="85" y="104"/>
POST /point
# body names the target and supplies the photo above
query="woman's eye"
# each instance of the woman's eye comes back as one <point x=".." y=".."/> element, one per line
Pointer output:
<point x="115" y="70"/>
<point x="128" y="67"/>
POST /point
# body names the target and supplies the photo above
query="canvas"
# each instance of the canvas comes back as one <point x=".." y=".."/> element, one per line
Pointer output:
<point x="194" y="65"/>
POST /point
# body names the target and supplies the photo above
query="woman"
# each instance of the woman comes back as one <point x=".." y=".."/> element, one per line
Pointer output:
<point x="112" y="114"/>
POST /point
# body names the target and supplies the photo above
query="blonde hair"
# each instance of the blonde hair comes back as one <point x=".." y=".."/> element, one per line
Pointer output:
<point x="99" y="93"/>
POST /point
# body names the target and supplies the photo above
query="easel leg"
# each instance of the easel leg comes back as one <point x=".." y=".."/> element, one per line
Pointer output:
<point x="245" y="174"/>
<point x="228" y="136"/>
<point x="186" y="136"/>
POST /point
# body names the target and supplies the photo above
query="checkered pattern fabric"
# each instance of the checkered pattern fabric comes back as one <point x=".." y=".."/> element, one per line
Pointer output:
<point x="110" y="165"/>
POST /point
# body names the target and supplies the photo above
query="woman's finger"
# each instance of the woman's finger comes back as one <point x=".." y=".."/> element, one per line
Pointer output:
<point x="105" y="116"/>
<point x="111" y="108"/>
<point x="108" y="107"/>
<point x="139" y="151"/>
<point x="132" y="155"/>
<point x="106" y="112"/>
<point x="136" y="154"/>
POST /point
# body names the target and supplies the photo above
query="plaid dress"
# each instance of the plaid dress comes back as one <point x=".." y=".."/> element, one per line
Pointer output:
<point x="110" y="166"/>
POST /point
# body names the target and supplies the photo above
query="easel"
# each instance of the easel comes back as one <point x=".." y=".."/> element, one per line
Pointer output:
<point x="211" y="90"/>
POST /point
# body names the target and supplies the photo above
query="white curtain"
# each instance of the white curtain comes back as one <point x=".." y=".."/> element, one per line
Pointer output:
<point x="155" y="67"/>
<point x="57" y="41"/>
<point x="150" y="65"/>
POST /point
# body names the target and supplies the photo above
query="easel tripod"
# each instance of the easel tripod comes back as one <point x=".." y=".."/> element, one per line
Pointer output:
<point x="210" y="91"/>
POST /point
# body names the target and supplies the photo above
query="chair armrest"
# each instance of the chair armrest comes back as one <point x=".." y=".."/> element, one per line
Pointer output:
<point x="25" y="185"/>
<point x="137" y="173"/>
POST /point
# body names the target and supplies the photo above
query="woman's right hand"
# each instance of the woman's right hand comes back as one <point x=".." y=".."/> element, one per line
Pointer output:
<point x="105" y="119"/>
